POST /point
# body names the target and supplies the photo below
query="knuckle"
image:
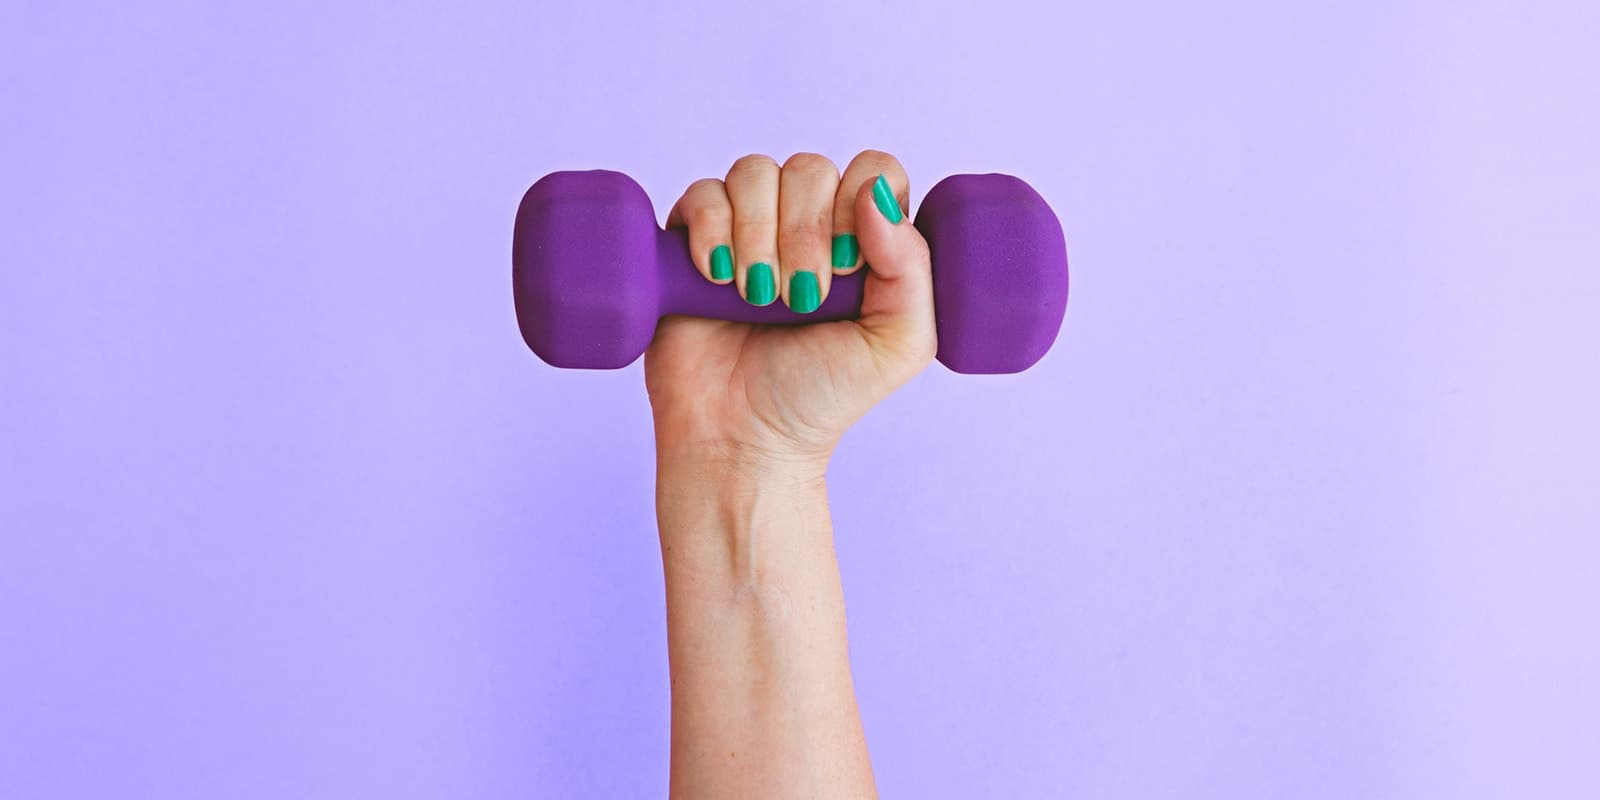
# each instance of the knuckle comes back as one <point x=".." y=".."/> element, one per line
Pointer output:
<point x="706" y="216"/>
<point x="704" y="189"/>
<point x="924" y="348"/>
<point x="751" y="226"/>
<point x="914" y="352"/>
<point x="805" y="228"/>
<point x="920" y="251"/>
<point x="810" y="165"/>
<point x="753" y="165"/>
<point x="879" y="162"/>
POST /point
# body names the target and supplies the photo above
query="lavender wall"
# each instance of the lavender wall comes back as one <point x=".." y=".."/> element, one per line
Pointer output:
<point x="1303" y="504"/>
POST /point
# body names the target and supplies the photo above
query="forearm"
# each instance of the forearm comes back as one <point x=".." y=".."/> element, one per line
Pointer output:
<point x="762" y="699"/>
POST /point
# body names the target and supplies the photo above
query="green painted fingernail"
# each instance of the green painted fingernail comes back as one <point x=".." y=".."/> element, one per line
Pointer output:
<point x="759" y="288"/>
<point x="721" y="263"/>
<point x="804" y="293"/>
<point x="883" y="198"/>
<point x="846" y="249"/>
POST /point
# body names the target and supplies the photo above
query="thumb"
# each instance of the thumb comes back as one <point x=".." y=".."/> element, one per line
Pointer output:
<point x="897" y="305"/>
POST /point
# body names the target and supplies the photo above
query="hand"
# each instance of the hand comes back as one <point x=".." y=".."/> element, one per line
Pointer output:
<point x="787" y="394"/>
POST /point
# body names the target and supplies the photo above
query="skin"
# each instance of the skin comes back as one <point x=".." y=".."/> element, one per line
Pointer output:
<point x="746" y="420"/>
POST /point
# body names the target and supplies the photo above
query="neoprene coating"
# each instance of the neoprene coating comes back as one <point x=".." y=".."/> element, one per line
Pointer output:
<point x="592" y="273"/>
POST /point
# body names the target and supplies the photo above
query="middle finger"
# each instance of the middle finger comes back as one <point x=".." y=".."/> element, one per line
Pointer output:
<point x="805" y="225"/>
<point x="753" y="189"/>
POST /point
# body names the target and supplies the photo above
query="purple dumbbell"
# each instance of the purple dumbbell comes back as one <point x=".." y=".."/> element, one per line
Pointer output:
<point x="592" y="273"/>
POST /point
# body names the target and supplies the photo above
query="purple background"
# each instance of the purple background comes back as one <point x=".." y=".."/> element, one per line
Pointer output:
<point x="1303" y="503"/>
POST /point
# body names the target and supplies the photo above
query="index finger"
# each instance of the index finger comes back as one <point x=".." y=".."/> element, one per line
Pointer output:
<point x="863" y="170"/>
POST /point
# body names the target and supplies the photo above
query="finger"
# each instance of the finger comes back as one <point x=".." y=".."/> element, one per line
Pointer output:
<point x="862" y="171"/>
<point x="753" y="189"/>
<point x="705" y="210"/>
<point x="897" y="307"/>
<point x="805" y="222"/>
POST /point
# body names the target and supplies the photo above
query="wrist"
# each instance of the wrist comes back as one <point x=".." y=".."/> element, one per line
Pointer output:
<point x="734" y="463"/>
<point x="737" y="510"/>
<point x="737" y="447"/>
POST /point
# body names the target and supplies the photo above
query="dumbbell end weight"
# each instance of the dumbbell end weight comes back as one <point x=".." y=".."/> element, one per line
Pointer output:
<point x="999" y="272"/>
<point x="592" y="273"/>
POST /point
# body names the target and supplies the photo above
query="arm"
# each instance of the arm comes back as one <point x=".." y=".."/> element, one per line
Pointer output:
<point x="762" y="699"/>
<point x="746" y="420"/>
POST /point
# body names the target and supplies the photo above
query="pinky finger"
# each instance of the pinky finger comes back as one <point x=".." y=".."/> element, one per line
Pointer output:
<point x="704" y="209"/>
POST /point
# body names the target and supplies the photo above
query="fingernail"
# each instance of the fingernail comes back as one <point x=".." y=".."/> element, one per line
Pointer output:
<point x="759" y="288"/>
<point x="804" y="293"/>
<point x="883" y="198"/>
<point x="846" y="249"/>
<point x="721" y="263"/>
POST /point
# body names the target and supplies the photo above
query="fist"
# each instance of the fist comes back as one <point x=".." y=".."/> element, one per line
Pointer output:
<point x="783" y="231"/>
<point x="768" y="232"/>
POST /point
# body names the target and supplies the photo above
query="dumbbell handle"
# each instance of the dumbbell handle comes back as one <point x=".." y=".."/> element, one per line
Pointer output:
<point x="685" y="291"/>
